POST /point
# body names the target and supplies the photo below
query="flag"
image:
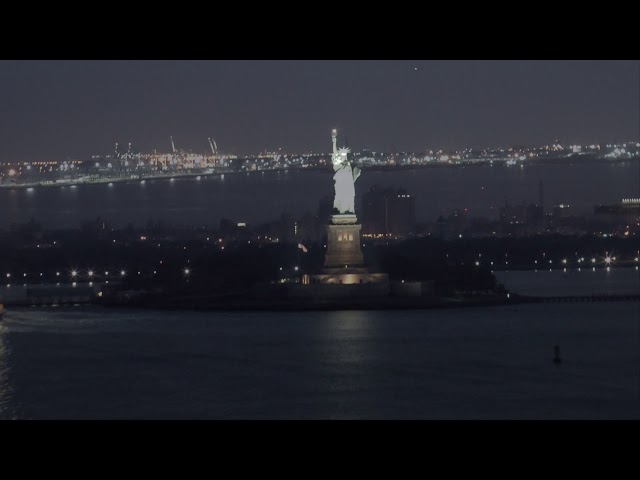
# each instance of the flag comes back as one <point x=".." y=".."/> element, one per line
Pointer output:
<point x="302" y="247"/>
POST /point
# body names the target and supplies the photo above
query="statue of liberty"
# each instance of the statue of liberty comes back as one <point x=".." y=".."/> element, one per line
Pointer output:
<point x="344" y="178"/>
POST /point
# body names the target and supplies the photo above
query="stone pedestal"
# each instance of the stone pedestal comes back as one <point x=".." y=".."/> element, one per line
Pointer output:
<point x="343" y="243"/>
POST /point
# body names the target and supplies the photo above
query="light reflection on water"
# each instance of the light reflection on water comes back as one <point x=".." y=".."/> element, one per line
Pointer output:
<point x="7" y="410"/>
<point x="453" y="363"/>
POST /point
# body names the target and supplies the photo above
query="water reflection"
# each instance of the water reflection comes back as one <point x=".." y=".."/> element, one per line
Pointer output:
<point x="455" y="363"/>
<point x="352" y="334"/>
<point x="347" y="362"/>
<point x="6" y="389"/>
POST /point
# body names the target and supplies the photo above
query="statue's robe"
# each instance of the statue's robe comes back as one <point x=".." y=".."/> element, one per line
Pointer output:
<point x="344" y="179"/>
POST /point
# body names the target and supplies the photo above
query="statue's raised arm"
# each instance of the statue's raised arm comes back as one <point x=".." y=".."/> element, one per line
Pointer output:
<point x="334" y="139"/>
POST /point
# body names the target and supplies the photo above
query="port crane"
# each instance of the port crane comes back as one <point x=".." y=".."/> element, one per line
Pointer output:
<point x="177" y="159"/>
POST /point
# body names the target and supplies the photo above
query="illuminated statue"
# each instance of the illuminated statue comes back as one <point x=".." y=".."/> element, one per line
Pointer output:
<point x="344" y="178"/>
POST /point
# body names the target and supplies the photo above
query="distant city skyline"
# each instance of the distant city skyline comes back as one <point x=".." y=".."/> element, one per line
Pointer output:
<point x="58" y="109"/>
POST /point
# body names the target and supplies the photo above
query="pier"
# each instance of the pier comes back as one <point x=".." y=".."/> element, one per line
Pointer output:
<point x="49" y="295"/>
<point x="592" y="298"/>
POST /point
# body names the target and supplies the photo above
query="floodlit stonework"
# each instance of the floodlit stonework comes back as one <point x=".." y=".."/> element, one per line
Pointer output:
<point x="343" y="247"/>
<point x="344" y="262"/>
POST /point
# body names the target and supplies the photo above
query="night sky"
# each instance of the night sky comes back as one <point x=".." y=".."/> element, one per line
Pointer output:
<point x="59" y="109"/>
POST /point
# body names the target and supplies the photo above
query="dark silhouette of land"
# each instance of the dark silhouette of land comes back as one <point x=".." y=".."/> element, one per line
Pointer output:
<point x="164" y="267"/>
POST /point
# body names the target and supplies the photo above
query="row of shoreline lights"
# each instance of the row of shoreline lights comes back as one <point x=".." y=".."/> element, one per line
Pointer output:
<point x="90" y="274"/>
<point x="187" y="271"/>
<point x="74" y="273"/>
<point x="608" y="260"/>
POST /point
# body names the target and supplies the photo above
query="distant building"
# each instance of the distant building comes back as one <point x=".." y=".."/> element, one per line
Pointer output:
<point x="270" y="232"/>
<point x="448" y="228"/>
<point x="562" y="211"/>
<point x="325" y="209"/>
<point x="307" y="229"/>
<point x="527" y="215"/>
<point x="234" y="231"/>
<point x="626" y="211"/>
<point x="228" y="226"/>
<point x="564" y="221"/>
<point x="535" y="216"/>
<point x="100" y="224"/>
<point x="459" y="221"/>
<point x="288" y="228"/>
<point x="388" y="212"/>
<point x="513" y="215"/>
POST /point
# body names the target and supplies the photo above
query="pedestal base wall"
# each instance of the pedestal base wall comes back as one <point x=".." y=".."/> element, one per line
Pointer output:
<point x="343" y="246"/>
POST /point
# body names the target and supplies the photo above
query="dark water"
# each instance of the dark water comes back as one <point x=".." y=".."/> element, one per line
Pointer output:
<point x="470" y="363"/>
<point x="261" y="197"/>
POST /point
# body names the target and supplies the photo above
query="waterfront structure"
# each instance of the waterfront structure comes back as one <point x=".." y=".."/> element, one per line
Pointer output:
<point x="626" y="211"/>
<point x="49" y="293"/>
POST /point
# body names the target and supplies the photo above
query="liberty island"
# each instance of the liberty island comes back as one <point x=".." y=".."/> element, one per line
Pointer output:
<point x="333" y="276"/>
